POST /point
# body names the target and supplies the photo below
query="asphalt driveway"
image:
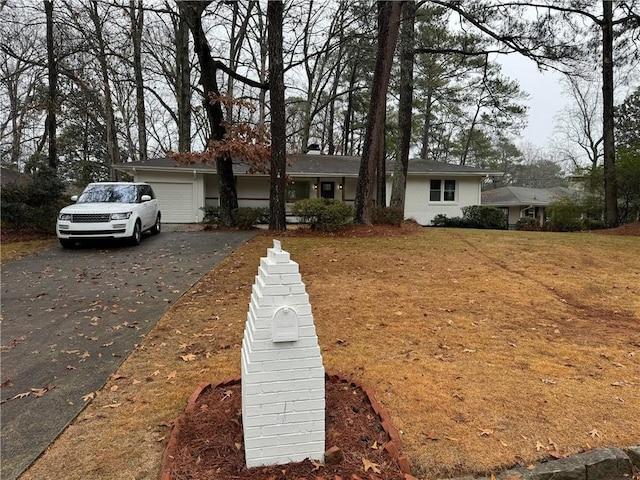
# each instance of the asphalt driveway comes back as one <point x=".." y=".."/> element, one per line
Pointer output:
<point x="71" y="317"/>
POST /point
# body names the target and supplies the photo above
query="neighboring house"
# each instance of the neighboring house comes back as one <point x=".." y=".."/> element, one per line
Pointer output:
<point x="518" y="202"/>
<point x="432" y="188"/>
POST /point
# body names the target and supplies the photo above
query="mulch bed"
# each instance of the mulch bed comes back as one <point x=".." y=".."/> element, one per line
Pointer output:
<point x="628" y="229"/>
<point x="207" y="440"/>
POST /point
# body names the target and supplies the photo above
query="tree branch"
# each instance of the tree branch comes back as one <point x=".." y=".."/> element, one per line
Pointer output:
<point x="233" y="74"/>
<point x="461" y="51"/>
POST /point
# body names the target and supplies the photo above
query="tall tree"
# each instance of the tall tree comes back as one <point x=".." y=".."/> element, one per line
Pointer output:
<point x="208" y="79"/>
<point x="554" y="36"/>
<point x="113" y="149"/>
<point x="609" y="146"/>
<point x="580" y="124"/>
<point x="373" y="149"/>
<point x="209" y="68"/>
<point x="52" y="93"/>
<point x="628" y="121"/>
<point x="407" y="45"/>
<point x="136" y="13"/>
<point x="278" y="185"/>
<point x="182" y="81"/>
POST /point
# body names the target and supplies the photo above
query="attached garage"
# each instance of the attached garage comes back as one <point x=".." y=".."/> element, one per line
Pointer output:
<point x="176" y="201"/>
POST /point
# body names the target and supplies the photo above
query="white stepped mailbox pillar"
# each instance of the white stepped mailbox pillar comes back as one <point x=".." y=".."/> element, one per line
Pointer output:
<point x="283" y="389"/>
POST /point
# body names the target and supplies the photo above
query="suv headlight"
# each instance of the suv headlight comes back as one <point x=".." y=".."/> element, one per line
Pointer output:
<point x="65" y="216"/>
<point x="120" y="216"/>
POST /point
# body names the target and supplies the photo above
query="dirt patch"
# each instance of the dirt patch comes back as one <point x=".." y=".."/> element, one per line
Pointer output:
<point x="209" y="439"/>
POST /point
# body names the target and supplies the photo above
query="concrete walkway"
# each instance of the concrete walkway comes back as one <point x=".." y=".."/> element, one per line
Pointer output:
<point x="71" y="317"/>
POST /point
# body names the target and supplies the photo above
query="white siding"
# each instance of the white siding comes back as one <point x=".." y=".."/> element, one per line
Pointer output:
<point x="418" y="206"/>
<point x="253" y="191"/>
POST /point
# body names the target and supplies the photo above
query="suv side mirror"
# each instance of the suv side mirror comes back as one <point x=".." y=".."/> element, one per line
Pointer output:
<point x="74" y="198"/>
<point x="145" y="198"/>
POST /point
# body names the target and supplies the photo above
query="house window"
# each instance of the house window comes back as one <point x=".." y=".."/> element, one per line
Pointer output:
<point x="442" y="191"/>
<point x="449" y="190"/>
<point x="297" y="191"/>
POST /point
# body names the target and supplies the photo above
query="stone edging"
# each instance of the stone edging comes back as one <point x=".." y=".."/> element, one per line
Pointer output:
<point x="393" y="446"/>
<point x="600" y="464"/>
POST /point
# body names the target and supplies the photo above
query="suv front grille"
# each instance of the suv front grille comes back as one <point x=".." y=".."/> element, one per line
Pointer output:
<point x="90" y="217"/>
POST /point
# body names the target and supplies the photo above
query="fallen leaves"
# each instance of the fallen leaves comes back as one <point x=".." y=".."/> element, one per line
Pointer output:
<point x="89" y="396"/>
<point x="33" y="392"/>
<point x="189" y="357"/>
<point x="368" y="465"/>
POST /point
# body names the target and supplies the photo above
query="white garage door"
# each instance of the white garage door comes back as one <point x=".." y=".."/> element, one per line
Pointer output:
<point x="176" y="202"/>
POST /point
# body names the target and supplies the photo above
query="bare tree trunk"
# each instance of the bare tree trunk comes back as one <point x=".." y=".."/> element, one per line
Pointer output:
<point x="113" y="151"/>
<point x="426" y="132"/>
<point x="183" y="82"/>
<point x="52" y="95"/>
<point x="467" y="143"/>
<point x="610" y="183"/>
<point x="388" y="27"/>
<point x="347" y="148"/>
<point x="381" y="169"/>
<point x="331" y="145"/>
<point x="407" y="43"/>
<point x="224" y="166"/>
<point x="277" y="218"/>
<point x="238" y="35"/>
<point x="137" y="23"/>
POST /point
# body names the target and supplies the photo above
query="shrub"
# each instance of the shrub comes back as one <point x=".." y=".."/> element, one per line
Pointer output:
<point x="475" y="216"/>
<point x="592" y="224"/>
<point x="388" y="216"/>
<point x="323" y="214"/>
<point x="246" y="218"/>
<point x="35" y="205"/>
<point x="564" y="215"/>
<point x="481" y="216"/>
<point x="442" y="220"/>
<point x="529" y="224"/>
<point x="211" y="215"/>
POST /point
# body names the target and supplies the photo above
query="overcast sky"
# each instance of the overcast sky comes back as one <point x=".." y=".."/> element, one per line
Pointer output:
<point x="546" y="96"/>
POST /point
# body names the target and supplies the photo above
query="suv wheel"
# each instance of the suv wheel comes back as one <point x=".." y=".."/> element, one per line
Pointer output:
<point x="137" y="234"/>
<point x="67" y="243"/>
<point x="157" y="226"/>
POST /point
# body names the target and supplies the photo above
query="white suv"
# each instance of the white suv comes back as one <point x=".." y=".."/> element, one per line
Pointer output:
<point x="109" y="210"/>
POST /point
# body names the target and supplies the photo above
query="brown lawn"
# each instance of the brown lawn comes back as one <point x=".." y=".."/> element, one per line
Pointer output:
<point x="14" y="245"/>
<point x="488" y="348"/>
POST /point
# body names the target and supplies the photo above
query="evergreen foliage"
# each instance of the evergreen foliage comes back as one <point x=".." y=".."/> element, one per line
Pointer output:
<point x="323" y="214"/>
<point x="474" y="216"/>
<point x="34" y="205"/>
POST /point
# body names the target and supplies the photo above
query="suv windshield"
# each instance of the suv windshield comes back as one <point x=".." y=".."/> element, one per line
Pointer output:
<point x="108" y="193"/>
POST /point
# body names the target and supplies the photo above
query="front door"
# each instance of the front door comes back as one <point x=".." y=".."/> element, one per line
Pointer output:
<point x="327" y="189"/>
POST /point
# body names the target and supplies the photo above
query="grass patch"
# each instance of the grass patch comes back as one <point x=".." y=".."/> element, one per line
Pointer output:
<point x="15" y="250"/>
<point x="487" y="348"/>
